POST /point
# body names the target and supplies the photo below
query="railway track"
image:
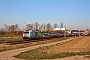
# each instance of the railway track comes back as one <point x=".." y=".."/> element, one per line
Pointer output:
<point x="30" y="41"/>
<point x="25" y="41"/>
<point x="12" y="42"/>
<point x="21" y="41"/>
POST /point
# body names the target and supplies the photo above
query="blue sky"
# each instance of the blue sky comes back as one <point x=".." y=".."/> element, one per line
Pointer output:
<point x="75" y="14"/>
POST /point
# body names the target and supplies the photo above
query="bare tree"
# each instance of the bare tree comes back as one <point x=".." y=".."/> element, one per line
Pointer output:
<point x="33" y="26"/>
<point x="28" y="26"/>
<point x="48" y="26"/>
<point x="36" y="26"/>
<point x="52" y="27"/>
<point x="14" y="27"/>
<point x="6" y="27"/>
<point x="40" y="27"/>
<point x="11" y="27"/>
<point x="43" y="26"/>
<point x="61" y="26"/>
<point x="55" y="25"/>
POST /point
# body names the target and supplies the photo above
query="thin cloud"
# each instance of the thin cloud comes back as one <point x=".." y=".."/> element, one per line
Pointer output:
<point x="47" y="9"/>
<point x="56" y="11"/>
<point x="50" y="10"/>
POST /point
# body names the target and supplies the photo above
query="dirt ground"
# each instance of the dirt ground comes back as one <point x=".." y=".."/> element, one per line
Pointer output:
<point x="11" y="46"/>
<point x="72" y="58"/>
<point x="77" y="45"/>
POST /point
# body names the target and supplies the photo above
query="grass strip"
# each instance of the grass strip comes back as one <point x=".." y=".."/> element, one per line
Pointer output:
<point x="39" y="54"/>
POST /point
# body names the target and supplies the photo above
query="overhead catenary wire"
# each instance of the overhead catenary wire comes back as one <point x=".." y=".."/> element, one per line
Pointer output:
<point x="13" y="19"/>
<point x="8" y="20"/>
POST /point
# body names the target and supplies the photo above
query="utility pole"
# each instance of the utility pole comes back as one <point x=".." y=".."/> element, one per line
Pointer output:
<point x="65" y="31"/>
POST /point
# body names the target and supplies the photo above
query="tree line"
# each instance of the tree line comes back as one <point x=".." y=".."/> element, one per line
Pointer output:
<point x="43" y="26"/>
<point x="33" y="26"/>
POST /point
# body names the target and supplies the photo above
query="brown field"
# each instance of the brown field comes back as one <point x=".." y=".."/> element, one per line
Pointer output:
<point x="78" y="45"/>
<point x="71" y="48"/>
<point x="81" y="44"/>
<point x="16" y="45"/>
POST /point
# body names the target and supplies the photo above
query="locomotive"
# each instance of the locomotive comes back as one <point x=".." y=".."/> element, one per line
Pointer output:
<point x="32" y="34"/>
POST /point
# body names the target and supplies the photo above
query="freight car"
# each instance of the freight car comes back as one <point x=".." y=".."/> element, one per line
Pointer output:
<point x="46" y="35"/>
<point x="75" y="33"/>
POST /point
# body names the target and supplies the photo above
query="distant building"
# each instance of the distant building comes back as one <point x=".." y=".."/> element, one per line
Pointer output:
<point x="62" y="29"/>
<point x="56" y="28"/>
<point x="59" y="28"/>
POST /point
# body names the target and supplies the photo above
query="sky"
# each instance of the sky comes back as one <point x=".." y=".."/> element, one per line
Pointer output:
<point x="75" y="14"/>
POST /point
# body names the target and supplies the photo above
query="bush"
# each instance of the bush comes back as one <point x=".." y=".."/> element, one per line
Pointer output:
<point x="11" y="33"/>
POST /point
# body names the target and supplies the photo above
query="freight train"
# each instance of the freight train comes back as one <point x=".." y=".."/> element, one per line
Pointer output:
<point x="36" y="34"/>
